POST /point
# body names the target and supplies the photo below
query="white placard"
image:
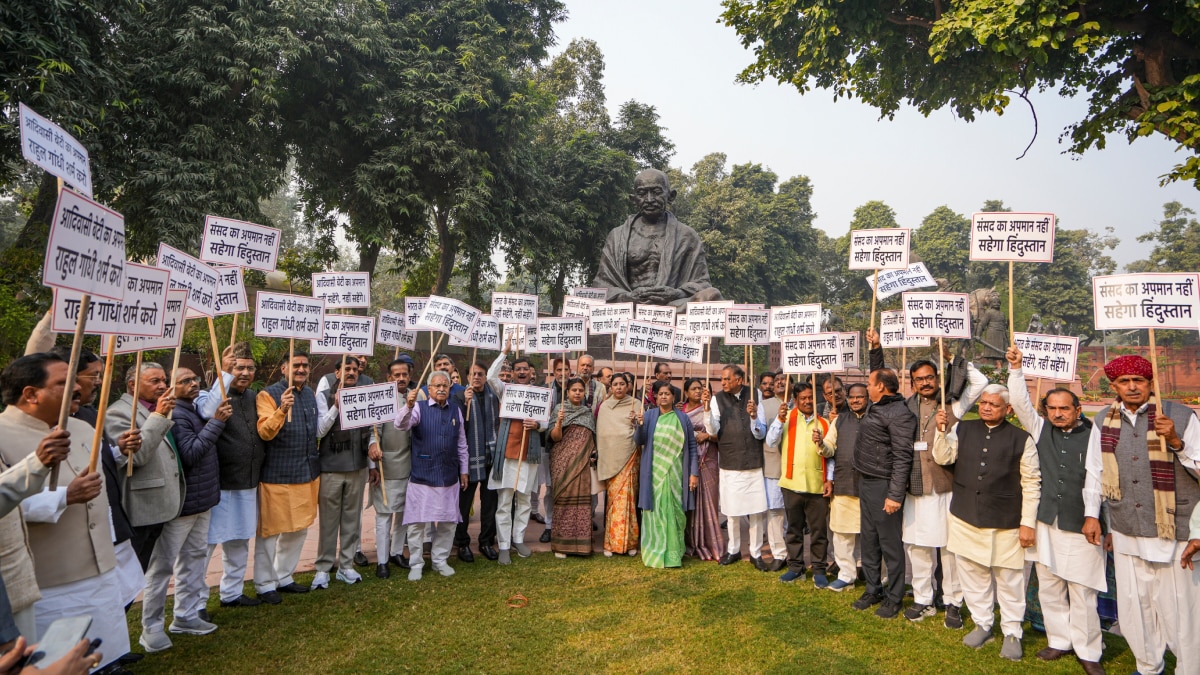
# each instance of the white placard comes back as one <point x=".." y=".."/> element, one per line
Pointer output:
<point x="688" y="348"/>
<point x="368" y="405"/>
<point x="47" y="145"/>
<point x="345" y="334"/>
<point x="193" y="275"/>
<point x="1020" y="237"/>
<point x="892" y="334"/>
<point x="619" y="337"/>
<point x="805" y="354"/>
<point x="86" y="248"/>
<point x="485" y="335"/>
<point x="391" y="331"/>
<point x="795" y="320"/>
<point x="525" y="402"/>
<point x="519" y="308"/>
<point x="447" y="315"/>
<point x="238" y="243"/>
<point x="231" y="291"/>
<point x="850" y="350"/>
<point x="523" y="337"/>
<point x="578" y="308"/>
<point x="606" y="319"/>
<point x="649" y="339"/>
<point x="747" y="326"/>
<point x="598" y="294"/>
<point x="174" y="312"/>
<point x="1050" y="357"/>
<point x="881" y="249"/>
<point x="708" y="318"/>
<point x="1152" y="300"/>
<point x="892" y="282"/>
<point x="140" y="313"/>
<point x="558" y="335"/>
<point x="282" y="315"/>
<point x="412" y="311"/>
<point x="659" y="315"/>
<point x="342" y="290"/>
<point x="946" y="315"/>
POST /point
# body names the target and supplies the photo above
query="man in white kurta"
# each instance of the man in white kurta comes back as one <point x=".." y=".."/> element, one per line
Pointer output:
<point x="1157" y="599"/>
<point x="1070" y="570"/>
<point x="740" y="461"/>
<point x="997" y="486"/>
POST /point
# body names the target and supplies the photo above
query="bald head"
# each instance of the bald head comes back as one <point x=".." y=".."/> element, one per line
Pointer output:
<point x="652" y="194"/>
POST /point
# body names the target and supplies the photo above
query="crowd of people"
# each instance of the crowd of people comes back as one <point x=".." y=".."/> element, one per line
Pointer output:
<point x="832" y="478"/>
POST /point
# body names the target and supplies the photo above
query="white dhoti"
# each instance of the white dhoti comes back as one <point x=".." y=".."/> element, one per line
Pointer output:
<point x="1159" y="606"/>
<point x="512" y="519"/>
<point x="926" y="528"/>
<point x="743" y="496"/>
<point x="98" y="597"/>
<point x="129" y="572"/>
<point x="1070" y="575"/>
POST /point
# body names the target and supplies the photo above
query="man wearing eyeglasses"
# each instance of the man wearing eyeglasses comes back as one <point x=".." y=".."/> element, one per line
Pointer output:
<point x="154" y="492"/>
<point x="927" y="509"/>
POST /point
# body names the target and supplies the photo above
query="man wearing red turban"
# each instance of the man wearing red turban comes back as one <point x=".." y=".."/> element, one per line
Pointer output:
<point x="1145" y="472"/>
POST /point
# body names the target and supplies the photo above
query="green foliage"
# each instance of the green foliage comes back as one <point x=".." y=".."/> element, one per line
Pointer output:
<point x="1176" y="243"/>
<point x="1138" y="62"/>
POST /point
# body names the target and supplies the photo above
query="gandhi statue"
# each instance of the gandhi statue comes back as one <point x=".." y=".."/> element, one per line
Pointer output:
<point x="991" y="329"/>
<point x="653" y="258"/>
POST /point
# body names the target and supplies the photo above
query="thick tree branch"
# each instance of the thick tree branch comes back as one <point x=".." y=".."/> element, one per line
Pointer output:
<point x="906" y="20"/>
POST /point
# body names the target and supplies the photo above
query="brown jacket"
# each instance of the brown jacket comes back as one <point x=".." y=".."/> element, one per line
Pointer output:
<point x="79" y="546"/>
<point x="18" y="481"/>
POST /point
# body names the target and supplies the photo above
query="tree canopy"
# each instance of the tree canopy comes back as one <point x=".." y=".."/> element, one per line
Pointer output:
<point x="1137" y="62"/>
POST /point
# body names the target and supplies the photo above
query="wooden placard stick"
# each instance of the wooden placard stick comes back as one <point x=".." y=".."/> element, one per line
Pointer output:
<point x="1012" y="326"/>
<point x="874" y="296"/>
<point x="646" y="381"/>
<point x="1037" y="393"/>
<point x="102" y="407"/>
<point x="750" y="352"/>
<point x="474" y="353"/>
<point x="904" y="377"/>
<point x="291" y="357"/>
<point x="174" y="371"/>
<point x="233" y="332"/>
<point x="942" y="370"/>
<point x="137" y="386"/>
<point x="64" y="412"/>
<point x="520" y="457"/>
<point x="1162" y="442"/>
<point x="212" y="334"/>
<point x="708" y="371"/>
<point x="382" y="484"/>
<point x="429" y="363"/>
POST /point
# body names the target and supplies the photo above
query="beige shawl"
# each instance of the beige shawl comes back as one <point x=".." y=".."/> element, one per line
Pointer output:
<point x="614" y="436"/>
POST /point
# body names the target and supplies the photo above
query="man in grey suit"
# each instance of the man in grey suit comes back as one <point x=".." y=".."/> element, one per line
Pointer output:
<point x="154" y="493"/>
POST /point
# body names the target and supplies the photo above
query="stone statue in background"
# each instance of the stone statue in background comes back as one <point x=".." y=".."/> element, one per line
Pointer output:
<point x="653" y="258"/>
<point x="991" y="326"/>
<point x="1035" y="324"/>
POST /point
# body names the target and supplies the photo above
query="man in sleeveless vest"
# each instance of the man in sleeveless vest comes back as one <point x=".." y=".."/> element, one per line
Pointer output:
<point x="481" y="429"/>
<point x="1070" y="570"/>
<point x="240" y="453"/>
<point x="770" y="402"/>
<point x="735" y="419"/>
<point x="927" y="508"/>
<point x="513" y="462"/>
<point x="844" y="513"/>
<point x="67" y="529"/>
<point x="343" y="456"/>
<point x="1150" y="493"/>
<point x="805" y="481"/>
<point x="390" y="465"/>
<point x="290" y="478"/>
<point x="439" y="472"/>
<point x="997" y="487"/>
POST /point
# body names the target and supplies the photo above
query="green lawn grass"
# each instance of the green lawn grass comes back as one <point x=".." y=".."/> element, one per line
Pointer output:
<point x="585" y="615"/>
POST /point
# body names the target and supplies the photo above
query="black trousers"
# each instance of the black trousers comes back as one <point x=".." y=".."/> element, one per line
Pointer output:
<point x="811" y="510"/>
<point x="881" y="539"/>
<point x="143" y="540"/>
<point x="487" y="515"/>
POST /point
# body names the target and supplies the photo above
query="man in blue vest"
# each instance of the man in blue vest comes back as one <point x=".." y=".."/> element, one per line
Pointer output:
<point x="439" y="472"/>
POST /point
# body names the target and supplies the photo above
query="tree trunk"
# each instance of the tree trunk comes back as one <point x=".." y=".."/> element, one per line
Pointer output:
<point x="36" y="231"/>
<point x="558" y="291"/>
<point x="475" y="269"/>
<point x="447" y="250"/>
<point x="368" y="257"/>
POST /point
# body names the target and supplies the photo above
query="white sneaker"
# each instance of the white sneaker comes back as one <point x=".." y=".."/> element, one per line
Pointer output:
<point x="154" y="642"/>
<point x="195" y="626"/>
<point x="444" y="570"/>
<point x="349" y="576"/>
<point x="414" y="574"/>
<point x="320" y="580"/>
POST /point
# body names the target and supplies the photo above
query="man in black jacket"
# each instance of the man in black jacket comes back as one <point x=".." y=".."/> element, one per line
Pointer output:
<point x="883" y="456"/>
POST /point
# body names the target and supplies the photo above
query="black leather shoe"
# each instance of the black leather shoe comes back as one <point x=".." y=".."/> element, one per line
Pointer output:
<point x="545" y="538"/>
<point x="130" y="659"/>
<point x="489" y="552"/>
<point x="776" y="565"/>
<point x="729" y="558"/>
<point x="270" y="597"/>
<point x="465" y="555"/>
<point x="382" y="571"/>
<point x="537" y="518"/>
<point x="399" y="561"/>
<point x="758" y="564"/>
<point x="293" y="588"/>
<point x="360" y="559"/>
<point x="242" y="601"/>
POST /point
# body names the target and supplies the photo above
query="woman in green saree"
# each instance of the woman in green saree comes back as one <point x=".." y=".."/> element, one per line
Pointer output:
<point x="669" y="475"/>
